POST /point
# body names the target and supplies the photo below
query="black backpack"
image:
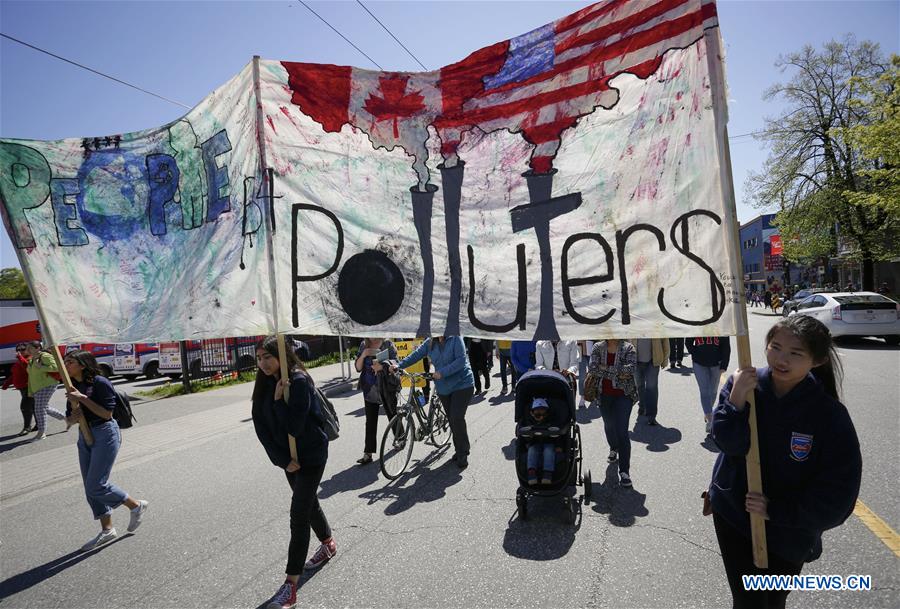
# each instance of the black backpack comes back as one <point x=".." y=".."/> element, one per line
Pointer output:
<point x="328" y="415"/>
<point x="122" y="412"/>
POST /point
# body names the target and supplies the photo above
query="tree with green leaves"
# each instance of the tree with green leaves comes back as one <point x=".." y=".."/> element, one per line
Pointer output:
<point x="815" y="169"/>
<point x="879" y="141"/>
<point x="12" y="284"/>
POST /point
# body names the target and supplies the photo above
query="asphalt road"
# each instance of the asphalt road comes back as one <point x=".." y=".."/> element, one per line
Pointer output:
<point x="217" y="530"/>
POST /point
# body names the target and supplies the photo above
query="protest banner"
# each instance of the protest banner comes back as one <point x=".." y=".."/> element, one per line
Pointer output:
<point x="569" y="183"/>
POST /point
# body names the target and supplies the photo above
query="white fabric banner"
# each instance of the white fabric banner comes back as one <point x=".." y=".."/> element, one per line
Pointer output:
<point x="562" y="184"/>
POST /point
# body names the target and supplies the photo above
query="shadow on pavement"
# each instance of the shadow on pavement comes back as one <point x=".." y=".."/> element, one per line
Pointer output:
<point x="25" y="440"/>
<point x="622" y="505"/>
<point x="509" y="451"/>
<point x="427" y="484"/>
<point x="859" y="343"/>
<point x="502" y="398"/>
<point x="586" y="415"/>
<point x="682" y="370"/>
<point x="544" y="535"/>
<point x="361" y="412"/>
<point x="656" y="437"/>
<point x="352" y="478"/>
<point x="24" y="581"/>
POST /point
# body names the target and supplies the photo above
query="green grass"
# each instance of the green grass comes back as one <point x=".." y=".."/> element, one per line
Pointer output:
<point x="174" y="388"/>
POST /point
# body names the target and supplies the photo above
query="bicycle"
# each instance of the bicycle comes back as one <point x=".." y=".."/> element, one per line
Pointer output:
<point x="412" y="424"/>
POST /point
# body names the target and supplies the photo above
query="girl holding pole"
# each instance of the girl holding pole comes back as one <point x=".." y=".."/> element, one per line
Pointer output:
<point x="809" y="454"/>
<point x="93" y="399"/>
<point x="274" y="418"/>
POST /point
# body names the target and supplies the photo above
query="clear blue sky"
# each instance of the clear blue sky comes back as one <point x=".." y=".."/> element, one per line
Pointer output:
<point x="183" y="50"/>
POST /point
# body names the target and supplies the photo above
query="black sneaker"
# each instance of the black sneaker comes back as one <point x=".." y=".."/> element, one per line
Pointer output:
<point x="624" y="480"/>
<point x="613" y="457"/>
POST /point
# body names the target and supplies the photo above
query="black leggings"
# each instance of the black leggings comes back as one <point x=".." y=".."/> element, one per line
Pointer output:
<point x="372" y="410"/>
<point x="737" y="554"/>
<point x="305" y="513"/>
<point x="27" y="408"/>
<point x="455" y="405"/>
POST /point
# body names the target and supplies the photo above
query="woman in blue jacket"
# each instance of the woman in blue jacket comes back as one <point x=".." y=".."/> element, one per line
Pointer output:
<point x="809" y="456"/>
<point x="274" y="419"/>
<point x="454" y="382"/>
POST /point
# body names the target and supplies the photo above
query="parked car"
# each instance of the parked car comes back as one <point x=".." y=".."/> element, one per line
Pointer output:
<point x="855" y="314"/>
<point x="801" y="295"/>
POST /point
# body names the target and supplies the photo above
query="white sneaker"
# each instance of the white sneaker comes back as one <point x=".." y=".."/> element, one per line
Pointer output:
<point x="136" y="515"/>
<point x="39" y="436"/>
<point x="104" y="536"/>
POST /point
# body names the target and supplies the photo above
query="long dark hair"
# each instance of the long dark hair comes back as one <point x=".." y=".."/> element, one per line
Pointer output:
<point x="264" y="383"/>
<point x="818" y="341"/>
<point x="88" y="361"/>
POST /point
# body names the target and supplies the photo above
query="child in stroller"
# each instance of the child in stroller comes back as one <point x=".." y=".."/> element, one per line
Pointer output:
<point x="548" y="441"/>
<point x="542" y="452"/>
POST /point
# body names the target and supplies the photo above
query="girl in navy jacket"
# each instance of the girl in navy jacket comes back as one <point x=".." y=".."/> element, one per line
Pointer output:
<point x="300" y="416"/>
<point x="809" y="455"/>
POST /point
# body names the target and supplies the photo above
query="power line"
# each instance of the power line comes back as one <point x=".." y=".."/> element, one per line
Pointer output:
<point x="734" y="137"/>
<point x="83" y="67"/>
<point x="392" y="35"/>
<point x="338" y="33"/>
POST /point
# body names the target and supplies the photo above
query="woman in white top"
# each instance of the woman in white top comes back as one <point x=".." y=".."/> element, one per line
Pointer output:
<point x="562" y="356"/>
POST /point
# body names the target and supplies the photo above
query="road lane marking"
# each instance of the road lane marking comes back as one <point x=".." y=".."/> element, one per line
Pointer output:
<point x="882" y="530"/>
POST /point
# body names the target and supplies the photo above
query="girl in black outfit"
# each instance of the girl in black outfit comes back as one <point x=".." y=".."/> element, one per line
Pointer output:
<point x="809" y="457"/>
<point x="300" y="416"/>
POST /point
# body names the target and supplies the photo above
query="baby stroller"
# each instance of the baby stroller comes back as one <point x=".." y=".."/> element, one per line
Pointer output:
<point x="560" y="426"/>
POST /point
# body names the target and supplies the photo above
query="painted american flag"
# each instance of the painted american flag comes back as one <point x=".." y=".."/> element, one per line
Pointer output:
<point x="538" y="84"/>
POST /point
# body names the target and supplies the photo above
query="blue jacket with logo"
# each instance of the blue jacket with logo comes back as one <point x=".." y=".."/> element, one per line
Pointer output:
<point x="449" y="359"/>
<point x="810" y="460"/>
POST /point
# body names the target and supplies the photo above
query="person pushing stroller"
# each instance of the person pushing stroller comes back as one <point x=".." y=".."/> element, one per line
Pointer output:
<point x="541" y="452"/>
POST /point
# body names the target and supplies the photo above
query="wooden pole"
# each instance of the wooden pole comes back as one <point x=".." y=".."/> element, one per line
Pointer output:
<point x="285" y="374"/>
<point x="736" y="294"/>
<point x="83" y="426"/>
<point x="268" y="179"/>
<point x="54" y="348"/>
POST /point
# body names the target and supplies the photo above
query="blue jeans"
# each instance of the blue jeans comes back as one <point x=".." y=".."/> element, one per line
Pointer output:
<point x="539" y="450"/>
<point x="616" y="411"/>
<point x="96" y="463"/>
<point x="708" y="381"/>
<point x="647" y="377"/>
<point x="506" y="361"/>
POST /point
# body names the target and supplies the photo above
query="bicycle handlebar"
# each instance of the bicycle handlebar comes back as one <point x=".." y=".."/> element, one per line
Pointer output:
<point x="417" y="375"/>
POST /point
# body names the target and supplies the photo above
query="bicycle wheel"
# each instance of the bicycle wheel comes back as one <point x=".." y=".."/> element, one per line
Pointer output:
<point x="396" y="448"/>
<point x="440" y="424"/>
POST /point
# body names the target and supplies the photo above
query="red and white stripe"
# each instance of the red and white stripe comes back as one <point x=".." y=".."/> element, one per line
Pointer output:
<point x="592" y="47"/>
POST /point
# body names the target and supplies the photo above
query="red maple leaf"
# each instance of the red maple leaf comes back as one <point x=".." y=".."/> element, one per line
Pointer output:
<point x="394" y="103"/>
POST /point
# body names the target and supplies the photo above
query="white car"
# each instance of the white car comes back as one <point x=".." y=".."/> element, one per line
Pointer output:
<point x="854" y="314"/>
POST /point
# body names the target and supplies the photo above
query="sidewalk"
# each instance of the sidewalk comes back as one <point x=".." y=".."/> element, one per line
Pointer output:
<point x="41" y="473"/>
